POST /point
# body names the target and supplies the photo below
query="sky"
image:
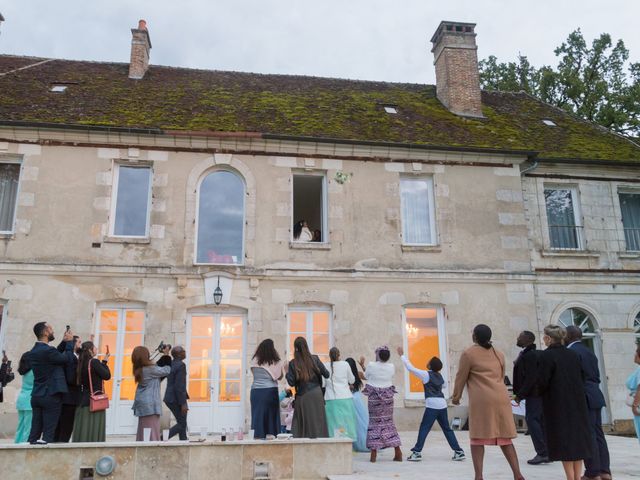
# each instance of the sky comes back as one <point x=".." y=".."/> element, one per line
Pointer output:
<point x="386" y="40"/>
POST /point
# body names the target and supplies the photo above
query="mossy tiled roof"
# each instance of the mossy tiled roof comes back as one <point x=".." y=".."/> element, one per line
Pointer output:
<point x="200" y="100"/>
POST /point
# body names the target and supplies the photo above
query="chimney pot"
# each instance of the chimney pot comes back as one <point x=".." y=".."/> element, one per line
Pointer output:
<point x="456" y="61"/>
<point x="140" y="47"/>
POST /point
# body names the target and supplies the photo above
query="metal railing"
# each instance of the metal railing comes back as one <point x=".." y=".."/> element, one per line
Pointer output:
<point x="632" y="239"/>
<point x="566" y="237"/>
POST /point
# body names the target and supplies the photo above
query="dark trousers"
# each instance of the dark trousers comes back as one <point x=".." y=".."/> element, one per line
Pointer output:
<point x="599" y="462"/>
<point x="65" y="423"/>
<point x="429" y="417"/>
<point x="45" y="415"/>
<point x="533" y="416"/>
<point x="180" y="427"/>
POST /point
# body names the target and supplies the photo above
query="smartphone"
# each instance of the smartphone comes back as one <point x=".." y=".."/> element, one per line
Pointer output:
<point x="108" y="350"/>
<point x="68" y="328"/>
<point x="9" y="365"/>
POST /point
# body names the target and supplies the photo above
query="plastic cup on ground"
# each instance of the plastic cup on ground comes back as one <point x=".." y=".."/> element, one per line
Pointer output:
<point x="146" y="434"/>
<point x="165" y="435"/>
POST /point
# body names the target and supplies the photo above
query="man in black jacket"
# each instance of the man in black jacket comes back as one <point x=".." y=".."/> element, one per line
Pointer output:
<point x="176" y="396"/>
<point x="49" y="382"/>
<point x="598" y="465"/>
<point x="525" y="380"/>
<point x="71" y="399"/>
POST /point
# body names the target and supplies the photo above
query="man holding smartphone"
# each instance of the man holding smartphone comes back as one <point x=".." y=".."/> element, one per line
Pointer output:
<point x="71" y="399"/>
<point x="49" y="382"/>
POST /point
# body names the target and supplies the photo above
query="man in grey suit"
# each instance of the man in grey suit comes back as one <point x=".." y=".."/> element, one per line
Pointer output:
<point x="596" y="467"/>
<point x="176" y="396"/>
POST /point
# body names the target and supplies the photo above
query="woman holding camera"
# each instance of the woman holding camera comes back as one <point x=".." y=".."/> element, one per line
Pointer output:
<point x="90" y="426"/>
<point x="147" y="404"/>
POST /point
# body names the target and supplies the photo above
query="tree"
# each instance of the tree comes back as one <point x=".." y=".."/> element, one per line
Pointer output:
<point x="592" y="82"/>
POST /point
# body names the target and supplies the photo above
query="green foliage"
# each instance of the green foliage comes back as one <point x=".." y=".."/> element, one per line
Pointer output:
<point x="593" y="82"/>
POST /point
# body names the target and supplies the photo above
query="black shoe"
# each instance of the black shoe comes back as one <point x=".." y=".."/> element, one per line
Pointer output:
<point x="537" y="460"/>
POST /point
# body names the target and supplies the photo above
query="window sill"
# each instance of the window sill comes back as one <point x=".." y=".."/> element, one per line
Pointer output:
<point x="127" y="240"/>
<point x="310" y="245"/>
<point x="421" y="248"/>
<point x="570" y="253"/>
<point x="7" y="236"/>
<point x="628" y="255"/>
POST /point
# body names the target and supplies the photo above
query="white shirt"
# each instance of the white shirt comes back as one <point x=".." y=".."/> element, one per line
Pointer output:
<point x="437" y="403"/>
<point x="380" y="374"/>
<point x="337" y="385"/>
<point x="573" y="343"/>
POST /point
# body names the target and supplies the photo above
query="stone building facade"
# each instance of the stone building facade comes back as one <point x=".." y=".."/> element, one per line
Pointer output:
<point x="125" y="221"/>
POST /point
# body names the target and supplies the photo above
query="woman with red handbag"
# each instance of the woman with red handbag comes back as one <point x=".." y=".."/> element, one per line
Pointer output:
<point x="90" y="420"/>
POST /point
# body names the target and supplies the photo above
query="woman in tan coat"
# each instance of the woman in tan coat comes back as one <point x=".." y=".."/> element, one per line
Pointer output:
<point x="482" y="369"/>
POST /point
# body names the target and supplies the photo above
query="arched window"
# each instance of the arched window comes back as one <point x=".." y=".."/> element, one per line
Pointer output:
<point x="636" y="327"/>
<point x="220" y="227"/>
<point x="584" y="321"/>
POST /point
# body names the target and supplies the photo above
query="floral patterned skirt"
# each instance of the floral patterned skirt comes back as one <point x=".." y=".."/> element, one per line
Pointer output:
<point x="382" y="432"/>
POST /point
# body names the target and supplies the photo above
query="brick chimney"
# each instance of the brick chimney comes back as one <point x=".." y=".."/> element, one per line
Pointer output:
<point x="456" y="60"/>
<point x="140" y="46"/>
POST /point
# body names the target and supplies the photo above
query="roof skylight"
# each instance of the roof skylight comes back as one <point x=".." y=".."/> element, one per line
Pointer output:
<point x="57" y="88"/>
<point x="549" y="123"/>
<point x="390" y="109"/>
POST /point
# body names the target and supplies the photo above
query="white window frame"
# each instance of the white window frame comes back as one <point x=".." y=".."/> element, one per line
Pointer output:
<point x="625" y="191"/>
<point x="197" y="219"/>
<point x="442" y="347"/>
<point x="577" y="216"/>
<point x="13" y="160"/>
<point x="432" y="211"/>
<point x="3" y="324"/>
<point x="114" y="198"/>
<point x="325" y="205"/>
<point x="309" y="310"/>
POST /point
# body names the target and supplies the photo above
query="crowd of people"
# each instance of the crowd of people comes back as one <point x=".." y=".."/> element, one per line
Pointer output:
<point x="62" y="397"/>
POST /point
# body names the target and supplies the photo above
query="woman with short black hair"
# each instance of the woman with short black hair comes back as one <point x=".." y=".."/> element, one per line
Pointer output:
<point x="267" y="370"/>
<point x="482" y="370"/>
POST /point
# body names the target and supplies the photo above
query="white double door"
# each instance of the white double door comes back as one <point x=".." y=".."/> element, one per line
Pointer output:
<point x="215" y="362"/>
<point x="120" y="330"/>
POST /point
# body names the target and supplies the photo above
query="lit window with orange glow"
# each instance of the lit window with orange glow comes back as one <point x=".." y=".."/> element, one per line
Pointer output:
<point x="315" y="326"/>
<point x="424" y="339"/>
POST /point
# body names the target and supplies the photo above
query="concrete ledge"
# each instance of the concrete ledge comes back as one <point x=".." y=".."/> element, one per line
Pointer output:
<point x="310" y="245"/>
<point x="295" y="458"/>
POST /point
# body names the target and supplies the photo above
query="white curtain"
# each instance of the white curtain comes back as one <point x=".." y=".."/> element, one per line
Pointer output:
<point x="9" y="176"/>
<point x="630" y="208"/>
<point x="416" y="218"/>
<point x="561" y="219"/>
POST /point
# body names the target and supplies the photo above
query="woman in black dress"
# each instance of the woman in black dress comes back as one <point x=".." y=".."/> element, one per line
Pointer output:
<point x="305" y="374"/>
<point x="566" y="418"/>
<point x="90" y="426"/>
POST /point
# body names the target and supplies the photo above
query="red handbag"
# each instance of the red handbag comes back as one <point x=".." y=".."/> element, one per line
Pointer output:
<point x="98" y="401"/>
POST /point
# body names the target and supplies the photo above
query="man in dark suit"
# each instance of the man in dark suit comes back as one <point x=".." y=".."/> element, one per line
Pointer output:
<point x="598" y="465"/>
<point x="49" y="382"/>
<point x="525" y="387"/>
<point x="176" y="396"/>
<point x="71" y="399"/>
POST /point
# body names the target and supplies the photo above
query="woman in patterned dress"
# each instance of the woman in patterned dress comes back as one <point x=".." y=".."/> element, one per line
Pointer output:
<point x="382" y="432"/>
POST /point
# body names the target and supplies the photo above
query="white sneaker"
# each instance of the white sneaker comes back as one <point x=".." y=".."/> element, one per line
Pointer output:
<point x="458" y="456"/>
<point x="415" y="457"/>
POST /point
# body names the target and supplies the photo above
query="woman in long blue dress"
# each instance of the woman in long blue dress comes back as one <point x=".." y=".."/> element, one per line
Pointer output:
<point x="23" y="403"/>
<point x="633" y="384"/>
<point x="362" y="414"/>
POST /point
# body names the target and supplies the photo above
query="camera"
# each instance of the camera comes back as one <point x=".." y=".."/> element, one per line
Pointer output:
<point x="162" y="346"/>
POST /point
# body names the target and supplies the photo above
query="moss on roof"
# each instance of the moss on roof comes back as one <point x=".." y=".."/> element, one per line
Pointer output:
<point x="186" y="99"/>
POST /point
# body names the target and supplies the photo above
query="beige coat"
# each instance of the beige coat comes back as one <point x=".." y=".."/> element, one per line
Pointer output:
<point x="482" y="370"/>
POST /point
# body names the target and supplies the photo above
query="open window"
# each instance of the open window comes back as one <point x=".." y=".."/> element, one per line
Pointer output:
<point x="309" y="208"/>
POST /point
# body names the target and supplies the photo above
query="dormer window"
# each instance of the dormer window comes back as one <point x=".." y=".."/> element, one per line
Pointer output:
<point x="58" y="88"/>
